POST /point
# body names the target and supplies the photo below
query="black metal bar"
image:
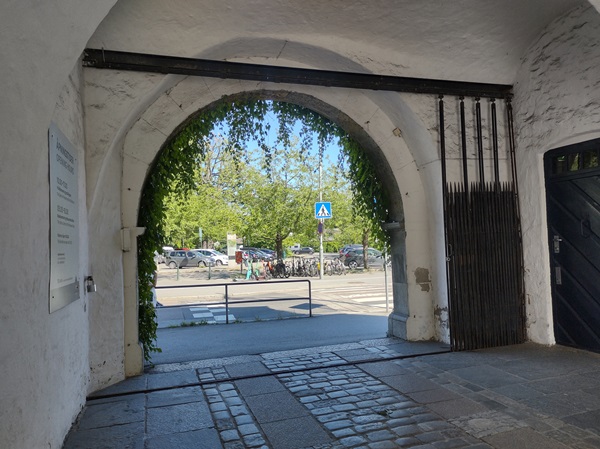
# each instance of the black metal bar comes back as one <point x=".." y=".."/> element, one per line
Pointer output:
<point x="519" y="263"/>
<point x="463" y="267"/>
<point x="485" y="272"/>
<point x="442" y="133"/>
<point x="508" y="298"/>
<point x="443" y="146"/>
<point x="485" y="284"/>
<point x="474" y="239"/>
<point x="495" y="143"/>
<point x="511" y="143"/>
<point x="463" y="135"/>
<point x="227" y="304"/>
<point x="453" y="306"/>
<point x="479" y="141"/>
<point x="480" y="278"/>
<point x="499" y="260"/>
<point x="309" y="300"/>
<point x="139" y="62"/>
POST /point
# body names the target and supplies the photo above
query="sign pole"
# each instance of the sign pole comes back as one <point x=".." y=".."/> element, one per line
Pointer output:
<point x="385" y="276"/>
<point x="321" y="233"/>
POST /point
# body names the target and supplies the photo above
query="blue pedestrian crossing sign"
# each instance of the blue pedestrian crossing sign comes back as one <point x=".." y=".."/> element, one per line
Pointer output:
<point x="323" y="210"/>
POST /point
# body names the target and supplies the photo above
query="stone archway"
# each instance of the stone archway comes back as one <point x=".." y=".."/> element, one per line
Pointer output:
<point x="412" y="317"/>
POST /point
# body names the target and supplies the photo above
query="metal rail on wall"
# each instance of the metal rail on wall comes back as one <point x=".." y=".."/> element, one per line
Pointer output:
<point x="483" y="243"/>
<point x="149" y="63"/>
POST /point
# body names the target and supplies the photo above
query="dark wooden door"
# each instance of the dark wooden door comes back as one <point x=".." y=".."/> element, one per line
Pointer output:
<point x="573" y="202"/>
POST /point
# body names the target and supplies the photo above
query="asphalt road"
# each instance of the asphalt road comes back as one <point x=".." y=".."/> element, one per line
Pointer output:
<point x="215" y="341"/>
<point x="346" y="309"/>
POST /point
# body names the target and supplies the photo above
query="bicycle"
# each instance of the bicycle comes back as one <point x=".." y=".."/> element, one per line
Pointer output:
<point x="281" y="270"/>
<point x="268" y="270"/>
<point x="336" y="267"/>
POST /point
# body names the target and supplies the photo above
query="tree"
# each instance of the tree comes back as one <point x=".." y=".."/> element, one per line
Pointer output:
<point x="207" y="205"/>
<point x="279" y="200"/>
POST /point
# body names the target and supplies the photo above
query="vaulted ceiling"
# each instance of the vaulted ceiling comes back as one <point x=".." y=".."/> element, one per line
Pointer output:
<point x="466" y="40"/>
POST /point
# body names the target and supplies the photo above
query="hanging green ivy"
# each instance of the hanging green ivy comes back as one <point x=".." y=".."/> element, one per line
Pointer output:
<point x="243" y="121"/>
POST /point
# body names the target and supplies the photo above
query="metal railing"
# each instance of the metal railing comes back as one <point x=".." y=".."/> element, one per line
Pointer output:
<point x="230" y="285"/>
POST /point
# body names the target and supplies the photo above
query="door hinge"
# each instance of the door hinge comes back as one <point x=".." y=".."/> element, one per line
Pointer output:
<point x="558" y="275"/>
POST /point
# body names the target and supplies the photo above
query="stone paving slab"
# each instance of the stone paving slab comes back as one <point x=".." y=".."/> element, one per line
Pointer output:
<point x="166" y="380"/>
<point x="271" y="407"/>
<point x="178" y="418"/>
<point x="587" y="420"/>
<point x="487" y="423"/>
<point x="457" y="407"/>
<point x="326" y="398"/>
<point x="259" y="386"/>
<point x="196" y="439"/>
<point x="487" y="376"/>
<point x="409" y="383"/>
<point x="523" y="438"/>
<point x="174" y="397"/>
<point x="302" y="432"/>
<point x="436" y="395"/>
<point x="136" y="383"/>
<point x="128" y="410"/>
<point x="127" y="436"/>
<point x="247" y="369"/>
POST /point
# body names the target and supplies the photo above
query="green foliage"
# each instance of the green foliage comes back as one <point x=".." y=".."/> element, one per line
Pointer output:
<point x="185" y="168"/>
<point x="370" y="196"/>
<point x="208" y="204"/>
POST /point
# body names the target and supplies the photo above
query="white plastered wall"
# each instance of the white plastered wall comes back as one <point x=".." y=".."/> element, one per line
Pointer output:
<point x="45" y="370"/>
<point x="111" y="102"/>
<point x="44" y="367"/>
<point x="557" y="102"/>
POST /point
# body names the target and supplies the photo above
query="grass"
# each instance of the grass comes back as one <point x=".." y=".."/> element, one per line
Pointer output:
<point x="190" y="324"/>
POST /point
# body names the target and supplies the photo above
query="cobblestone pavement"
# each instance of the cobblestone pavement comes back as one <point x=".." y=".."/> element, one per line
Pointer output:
<point x="376" y="395"/>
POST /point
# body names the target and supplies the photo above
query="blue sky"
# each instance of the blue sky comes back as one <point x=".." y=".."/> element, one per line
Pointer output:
<point x="331" y="151"/>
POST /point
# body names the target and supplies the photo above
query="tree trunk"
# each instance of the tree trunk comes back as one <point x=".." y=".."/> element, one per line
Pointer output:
<point x="279" y="245"/>
<point x="365" y="243"/>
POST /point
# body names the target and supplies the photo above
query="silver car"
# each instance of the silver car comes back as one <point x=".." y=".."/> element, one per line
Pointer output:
<point x="177" y="258"/>
<point x="218" y="258"/>
<point x="199" y="259"/>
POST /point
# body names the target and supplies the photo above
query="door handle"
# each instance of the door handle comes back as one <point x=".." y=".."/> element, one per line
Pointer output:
<point x="556" y="244"/>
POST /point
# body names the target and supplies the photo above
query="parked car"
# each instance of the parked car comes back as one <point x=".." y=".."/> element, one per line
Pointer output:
<point x="198" y="259"/>
<point x="269" y="252"/>
<point x="219" y="258"/>
<point x="304" y="250"/>
<point x="176" y="258"/>
<point x="295" y="247"/>
<point x="256" y="253"/>
<point x="259" y="255"/>
<point x="161" y="257"/>
<point x="355" y="258"/>
<point x="349" y="247"/>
